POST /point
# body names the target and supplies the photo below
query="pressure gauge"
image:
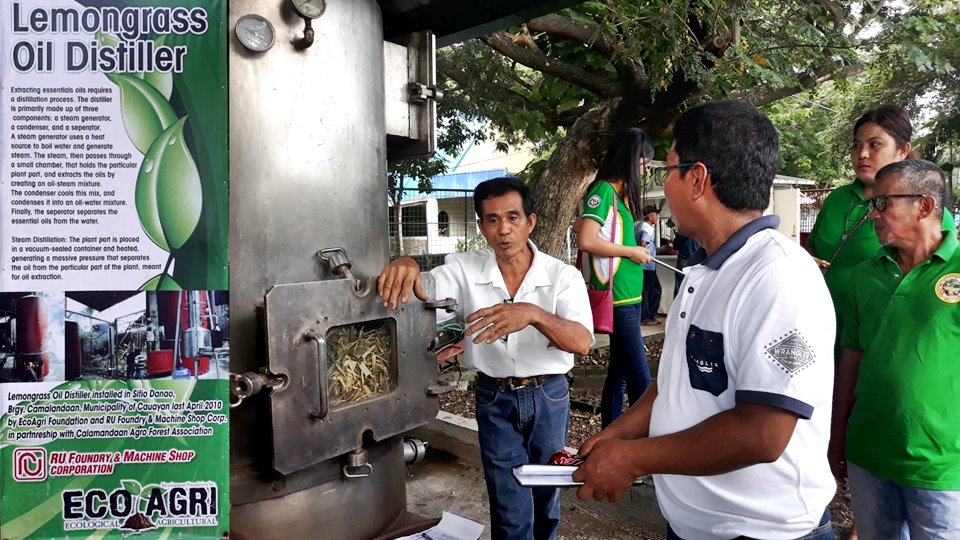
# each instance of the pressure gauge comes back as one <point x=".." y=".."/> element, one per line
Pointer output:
<point x="255" y="33"/>
<point x="310" y="9"/>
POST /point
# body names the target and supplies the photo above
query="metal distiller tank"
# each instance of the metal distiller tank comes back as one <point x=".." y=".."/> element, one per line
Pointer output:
<point x="319" y="102"/>
<point x="32" y="342"/>
<point x="73" y="351"/>
<point x="308" y="233"/>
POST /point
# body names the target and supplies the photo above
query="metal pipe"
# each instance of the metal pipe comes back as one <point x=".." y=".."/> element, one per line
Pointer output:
<point x="414" y="450"/>
<point x="195" y="317"/>
<point x="176" y="336"/>
<point x="665" y="265"/>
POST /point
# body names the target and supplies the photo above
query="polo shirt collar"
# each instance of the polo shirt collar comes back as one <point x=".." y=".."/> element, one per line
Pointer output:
<point x="734" y="243"/>
<point x="944" y="252"/>
<point x="948" y="247"/>
<point x="857" y="188"/>
<point x="536" y="275"/>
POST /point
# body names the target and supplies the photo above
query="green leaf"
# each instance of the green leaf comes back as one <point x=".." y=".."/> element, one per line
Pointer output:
<point x="132" y="486"/>
<point x="169" y="284"/>
<point x="169" y="195"/>
<point x="146" y="112"/>
<point x="162" y="81"/>
<point x="107" y="40"/>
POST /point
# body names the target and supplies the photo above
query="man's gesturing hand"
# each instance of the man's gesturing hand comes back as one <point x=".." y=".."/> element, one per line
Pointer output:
<point x="494" y="322"/>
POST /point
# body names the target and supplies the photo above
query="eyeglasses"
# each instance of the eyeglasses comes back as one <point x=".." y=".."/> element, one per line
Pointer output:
<point x="660" y="173"/>
<point x="879" y="203"/>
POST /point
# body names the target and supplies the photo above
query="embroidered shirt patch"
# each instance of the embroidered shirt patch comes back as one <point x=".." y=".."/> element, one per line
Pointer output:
<point x="593" y="201"/>
<point x="791" y="352"/>
<point x="948" y="288"/>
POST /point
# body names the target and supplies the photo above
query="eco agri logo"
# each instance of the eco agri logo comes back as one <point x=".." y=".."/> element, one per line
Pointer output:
<point x="136" y="507"/>
<point x="30" y="464"/>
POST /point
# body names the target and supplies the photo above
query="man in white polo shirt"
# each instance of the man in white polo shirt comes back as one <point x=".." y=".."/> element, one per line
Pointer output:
<point x="736" y="429"/>
<point x="528" y="313"/>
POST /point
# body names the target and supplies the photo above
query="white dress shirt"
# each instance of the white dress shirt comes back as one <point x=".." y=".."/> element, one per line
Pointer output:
<point x="475" y="281"/>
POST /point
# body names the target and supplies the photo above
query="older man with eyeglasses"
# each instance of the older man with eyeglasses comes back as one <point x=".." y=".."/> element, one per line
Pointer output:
<point x="896" y="423"/>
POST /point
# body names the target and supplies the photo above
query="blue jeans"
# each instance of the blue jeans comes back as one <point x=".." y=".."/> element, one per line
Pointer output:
<point x="823" y="531"/>
<point x="652" y="291"/>
<point x="628" y="367"/>
<point x="886" y="510"/>
<point x="517" y="427"/>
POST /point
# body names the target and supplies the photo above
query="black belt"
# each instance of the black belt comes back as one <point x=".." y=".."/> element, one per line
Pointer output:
<point x="513" y="383"/>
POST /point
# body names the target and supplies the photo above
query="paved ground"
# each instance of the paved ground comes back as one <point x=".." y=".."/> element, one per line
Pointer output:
<point x="445" y="482"/>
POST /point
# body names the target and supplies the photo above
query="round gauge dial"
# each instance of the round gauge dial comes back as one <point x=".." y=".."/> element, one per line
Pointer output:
<point x="310" y="9"/>
<point x="255" y="33"/>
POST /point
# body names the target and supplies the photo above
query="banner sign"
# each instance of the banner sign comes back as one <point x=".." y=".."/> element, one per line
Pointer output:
<point x="114" y="310"/>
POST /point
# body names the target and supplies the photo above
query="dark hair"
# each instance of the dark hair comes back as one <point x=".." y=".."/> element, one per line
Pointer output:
<point x="921" y="177"/>
<point x="500" y="186"/>
<point x="739" y="147"/>
<point x="894" y="120"/>
<point x="625" y="152"/>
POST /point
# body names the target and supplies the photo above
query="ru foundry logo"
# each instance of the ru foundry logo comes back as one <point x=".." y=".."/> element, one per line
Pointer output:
<point x="30" y="464"/>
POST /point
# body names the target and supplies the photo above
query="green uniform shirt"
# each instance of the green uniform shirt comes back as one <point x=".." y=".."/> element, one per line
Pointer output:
<point x="841" y="210"/>
<point x="598" y="205"/>
<point x="905" y="423"/>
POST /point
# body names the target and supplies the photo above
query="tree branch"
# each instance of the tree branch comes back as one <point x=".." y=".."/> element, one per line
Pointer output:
<point x="868" y="16"/>
<point x="763" y="95"/>
<point x="837" y="12"/>
<point x="590" y="35"/>
<point x="629" y="68"/>
<point x="534" y="59"/>
<point x="502" y="94"/>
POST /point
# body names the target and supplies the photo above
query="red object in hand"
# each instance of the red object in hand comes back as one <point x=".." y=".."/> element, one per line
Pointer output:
<point x="565" y="458"/>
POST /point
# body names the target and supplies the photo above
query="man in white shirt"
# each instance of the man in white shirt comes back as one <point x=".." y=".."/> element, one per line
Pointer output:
<point x="528" y="313"/>
<point x="736" y="429"/>
<point x="151" y="337"/>
<point x="650" y="306"/>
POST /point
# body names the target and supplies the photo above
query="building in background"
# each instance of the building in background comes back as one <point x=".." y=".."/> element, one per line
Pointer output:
<point x="441" y="221"/>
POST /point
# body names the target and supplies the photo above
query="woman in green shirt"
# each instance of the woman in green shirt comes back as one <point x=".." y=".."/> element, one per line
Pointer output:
<point x="842" y="236"/>
<point x="610" y="208"/>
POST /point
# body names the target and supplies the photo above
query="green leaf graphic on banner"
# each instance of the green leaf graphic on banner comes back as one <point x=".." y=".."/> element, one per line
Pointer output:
<point x="169" y="196"/>
<point x="198" y="93"/>
<point x="161" y="81"/>
<point x="132" y="486"/>
<point x="146" y="113"/>
<point x="169" y="284"/>
<point x="107" y="40"/>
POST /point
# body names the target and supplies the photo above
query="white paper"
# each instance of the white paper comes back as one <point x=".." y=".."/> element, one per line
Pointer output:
<point x="549" y="475"/>
<point x="545" y="475"/>
<point x="451" y="527"/>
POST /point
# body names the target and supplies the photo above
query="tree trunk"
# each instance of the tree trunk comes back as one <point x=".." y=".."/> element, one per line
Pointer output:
<point x="570" y="169"/>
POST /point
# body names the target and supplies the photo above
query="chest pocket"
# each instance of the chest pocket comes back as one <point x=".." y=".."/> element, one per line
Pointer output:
<point x="705" y="360"/>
